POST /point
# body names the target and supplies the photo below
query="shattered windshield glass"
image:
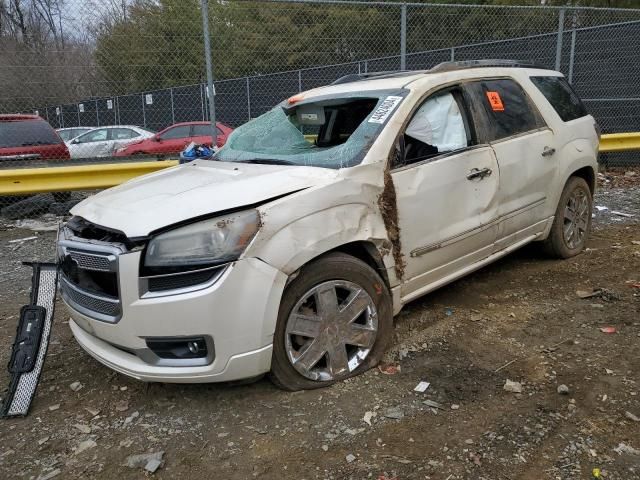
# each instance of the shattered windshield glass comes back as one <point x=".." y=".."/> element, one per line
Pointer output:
<point x="331" y="132"/>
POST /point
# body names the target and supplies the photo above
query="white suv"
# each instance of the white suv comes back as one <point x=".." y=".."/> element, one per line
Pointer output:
<point x="291" y="251"/>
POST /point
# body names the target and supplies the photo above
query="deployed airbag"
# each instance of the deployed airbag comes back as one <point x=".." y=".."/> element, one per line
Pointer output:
<point x="438" y="122"/>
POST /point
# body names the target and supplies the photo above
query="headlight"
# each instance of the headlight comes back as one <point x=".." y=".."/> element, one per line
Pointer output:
<point x="209" y="242"/>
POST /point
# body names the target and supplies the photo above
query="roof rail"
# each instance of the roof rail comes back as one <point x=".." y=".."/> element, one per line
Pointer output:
<point x="358" y="77"/>
<point x="462" y="65"/>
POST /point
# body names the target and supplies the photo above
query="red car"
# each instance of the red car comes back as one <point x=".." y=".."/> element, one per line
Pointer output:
<point x="173" y="139"/>
<point x="29" y="137"/>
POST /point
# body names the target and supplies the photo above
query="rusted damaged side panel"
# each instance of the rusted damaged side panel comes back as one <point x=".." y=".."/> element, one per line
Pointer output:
<point x="389" y="210"/>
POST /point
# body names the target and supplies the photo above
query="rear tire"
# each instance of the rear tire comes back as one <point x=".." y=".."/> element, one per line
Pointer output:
<point x="359" y="324"/>
<point x="572" y="222"/>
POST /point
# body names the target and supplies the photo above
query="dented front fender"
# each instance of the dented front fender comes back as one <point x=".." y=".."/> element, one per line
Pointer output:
<point x="300" y="227"/>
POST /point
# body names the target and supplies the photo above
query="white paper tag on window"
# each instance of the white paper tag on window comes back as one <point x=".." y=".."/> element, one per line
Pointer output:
<point x="81" y="107"/>
<point x="109" y="104"/>
<point x="148" y="98"/>
<point x="385" y="109"/>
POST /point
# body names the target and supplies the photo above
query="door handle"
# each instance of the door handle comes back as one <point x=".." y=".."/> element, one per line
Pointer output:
<point x="548" y="151"/>
<point x="477" y="173"/>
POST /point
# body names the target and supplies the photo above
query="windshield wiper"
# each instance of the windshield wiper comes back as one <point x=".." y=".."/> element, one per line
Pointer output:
<point x="267" y="161"/>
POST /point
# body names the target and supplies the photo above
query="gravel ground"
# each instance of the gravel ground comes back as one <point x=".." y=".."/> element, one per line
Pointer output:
<point x="574" y="406"/>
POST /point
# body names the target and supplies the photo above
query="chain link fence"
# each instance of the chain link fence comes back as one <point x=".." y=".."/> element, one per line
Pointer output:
<point x="140" y="65"/>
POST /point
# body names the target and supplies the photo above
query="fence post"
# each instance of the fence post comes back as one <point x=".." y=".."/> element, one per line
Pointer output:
<point x="61" y="117"/>
<point x="97" y="116"/>
<point x="559" y="41"/>
<point x="248" y="100"/>
<point x="202" y="101"/>
<point x="403" y="37"/>
<point x="78" y="110"/>
<point x="173" y="113"/>
<point x="453" y="54"/>
<point x="144" y="114"/>
<point x="572" y="55"/>
<point x="207" y="57"/>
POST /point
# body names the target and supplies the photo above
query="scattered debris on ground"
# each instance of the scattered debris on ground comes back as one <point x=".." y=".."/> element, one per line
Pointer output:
<point x="519" y="320"/>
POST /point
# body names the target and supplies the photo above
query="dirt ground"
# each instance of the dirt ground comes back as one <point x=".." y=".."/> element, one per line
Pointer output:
<point x="519" y="319"/>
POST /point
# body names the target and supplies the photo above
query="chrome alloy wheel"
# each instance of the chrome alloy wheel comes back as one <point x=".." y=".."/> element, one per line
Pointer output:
<point x="576" y="219"/>
<point x="331" y="330"/>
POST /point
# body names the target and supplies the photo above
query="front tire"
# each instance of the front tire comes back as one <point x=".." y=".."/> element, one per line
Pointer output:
<point x="334" y="322"/>
<point x="572" y="222"/>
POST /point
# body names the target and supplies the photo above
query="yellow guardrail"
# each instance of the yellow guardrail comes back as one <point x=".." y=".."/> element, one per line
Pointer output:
<point x="620" y="142"/>
<point x="96" y="176"/>
<point x="24" y="181"/>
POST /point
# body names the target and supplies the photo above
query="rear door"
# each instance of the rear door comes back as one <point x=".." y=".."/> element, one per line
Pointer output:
<point x="201" y="134"/>
<point x="525" y="147"/>
<point x="446" y="187"/>
<point x="120" y="137"/>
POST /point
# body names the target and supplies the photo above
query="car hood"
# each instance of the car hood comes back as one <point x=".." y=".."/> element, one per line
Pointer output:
<point x="151" y="202"/>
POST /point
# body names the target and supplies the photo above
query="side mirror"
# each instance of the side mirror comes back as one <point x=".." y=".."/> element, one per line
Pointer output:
<point x="75" y="141"/>
<point x="156" y="138"/>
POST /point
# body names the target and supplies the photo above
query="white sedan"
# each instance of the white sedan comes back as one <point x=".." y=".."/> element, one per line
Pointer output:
<point x="103" y="141"/>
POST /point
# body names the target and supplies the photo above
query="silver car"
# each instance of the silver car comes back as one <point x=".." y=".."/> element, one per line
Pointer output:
<point x="103" y="141"/>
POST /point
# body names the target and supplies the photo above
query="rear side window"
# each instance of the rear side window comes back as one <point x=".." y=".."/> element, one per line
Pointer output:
<point x="123" y="133"/>
<point x="561" y="97"/>
<point x="506" y="109"/>
<point x="27" y="133"/>
<point x="204" y="131"/>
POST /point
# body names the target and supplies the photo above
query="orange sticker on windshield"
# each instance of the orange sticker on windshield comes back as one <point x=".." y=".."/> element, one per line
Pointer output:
<point x="495" y="101"/>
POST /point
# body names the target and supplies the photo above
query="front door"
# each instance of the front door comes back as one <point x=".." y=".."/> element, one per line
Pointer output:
<point x="91" y="144"/>
<point x="446" y="187"/>
<point x="173" y="139"/>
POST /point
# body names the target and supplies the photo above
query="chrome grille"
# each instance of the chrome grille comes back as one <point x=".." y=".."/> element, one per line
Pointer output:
<point x="93" y="305"/>
<point x="89" y="275"/>
<point x="88" y="261"/>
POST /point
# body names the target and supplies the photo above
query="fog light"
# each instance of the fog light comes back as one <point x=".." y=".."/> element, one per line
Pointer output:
<point x="178" y="348"/>
<point x="193" y="347"/>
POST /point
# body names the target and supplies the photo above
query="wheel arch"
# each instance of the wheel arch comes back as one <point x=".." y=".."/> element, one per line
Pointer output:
<point x="588" y="174"/>
<point x="366" y="252"/>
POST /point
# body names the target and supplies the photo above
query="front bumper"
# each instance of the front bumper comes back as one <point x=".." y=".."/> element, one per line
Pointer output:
<point x="238" y="312"/>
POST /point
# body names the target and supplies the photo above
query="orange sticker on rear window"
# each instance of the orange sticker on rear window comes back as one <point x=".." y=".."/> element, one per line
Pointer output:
<point x="495" y="101"/>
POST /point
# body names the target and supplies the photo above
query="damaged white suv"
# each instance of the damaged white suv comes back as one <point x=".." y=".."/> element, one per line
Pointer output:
<point x="291" y="251"/>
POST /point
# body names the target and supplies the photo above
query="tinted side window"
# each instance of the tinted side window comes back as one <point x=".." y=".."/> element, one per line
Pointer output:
<point x="561" y="97"/>
<point x="176" y="132"/>
<point x="204" y="131"/>
<point x="27" y="133"/>
<point x="505" y="107"/>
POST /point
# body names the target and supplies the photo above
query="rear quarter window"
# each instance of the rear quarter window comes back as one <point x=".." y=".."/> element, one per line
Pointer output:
<point x="561" y="97"/>
<point x="506" y="109"/>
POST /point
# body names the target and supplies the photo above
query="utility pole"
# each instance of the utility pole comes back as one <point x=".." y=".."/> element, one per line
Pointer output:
<point x="207" y="57"/>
